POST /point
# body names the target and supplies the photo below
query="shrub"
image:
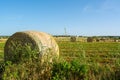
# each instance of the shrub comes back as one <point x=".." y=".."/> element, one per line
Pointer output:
<point x="28" y="66"/>
<point x="69" y="70"/>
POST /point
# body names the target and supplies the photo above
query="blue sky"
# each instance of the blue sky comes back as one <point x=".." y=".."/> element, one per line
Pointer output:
<point x="79" y="17"/>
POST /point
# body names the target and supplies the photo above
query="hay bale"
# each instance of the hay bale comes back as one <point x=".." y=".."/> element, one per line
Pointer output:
<point x="40" y="42"/>
<point x="73" y="39"/>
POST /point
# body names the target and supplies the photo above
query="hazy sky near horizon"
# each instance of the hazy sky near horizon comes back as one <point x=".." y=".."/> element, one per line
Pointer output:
<point x="79" y="17"/>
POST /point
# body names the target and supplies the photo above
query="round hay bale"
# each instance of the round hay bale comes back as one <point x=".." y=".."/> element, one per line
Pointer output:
<point x="73" y="39"/>
<point x="27" y="44"/>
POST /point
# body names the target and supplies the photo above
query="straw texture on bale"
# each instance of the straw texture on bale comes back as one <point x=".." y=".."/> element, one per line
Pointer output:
<point x="39" y="41"/>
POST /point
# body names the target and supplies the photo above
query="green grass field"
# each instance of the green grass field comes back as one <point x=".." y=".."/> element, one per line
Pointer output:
<point x="1" y="51"/>
<point x="102" y="59"/>
<point x="100" y="52"/>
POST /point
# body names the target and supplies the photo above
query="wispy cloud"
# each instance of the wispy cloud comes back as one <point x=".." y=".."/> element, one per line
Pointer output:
<point x="87" y="8"/>
<point x="103" y="6"/>
<point x="110" y="5"/>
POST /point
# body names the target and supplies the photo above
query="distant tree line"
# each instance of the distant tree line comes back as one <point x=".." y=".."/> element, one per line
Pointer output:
<point x="74" y="38"/>
<point x="64" y="35"/>
<point x="113" y="37"/>
<point x="4" y="37"/>
<point x="103" y="39"/>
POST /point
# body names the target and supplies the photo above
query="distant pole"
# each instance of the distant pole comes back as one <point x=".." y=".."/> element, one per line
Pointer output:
<point x="65" y="31"/>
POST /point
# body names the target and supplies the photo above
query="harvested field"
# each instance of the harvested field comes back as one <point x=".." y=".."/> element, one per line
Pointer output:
<point x="96" y="56"/>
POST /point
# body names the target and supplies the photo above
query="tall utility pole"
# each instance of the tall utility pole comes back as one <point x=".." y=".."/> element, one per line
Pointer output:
<point x="65" y="31"/>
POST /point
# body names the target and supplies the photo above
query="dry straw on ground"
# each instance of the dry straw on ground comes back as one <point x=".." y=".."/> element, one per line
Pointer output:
<point x="2" y="40"/>
<point x="41" y="42"/>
